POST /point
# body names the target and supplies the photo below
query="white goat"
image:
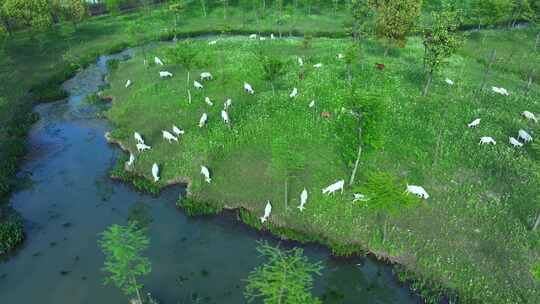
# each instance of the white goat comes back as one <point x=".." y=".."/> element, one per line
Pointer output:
<point x="514" y="142"/>
<point x="177" y="130"/>
<point x="262" y="38"/>
<point x="529" y="116"/>
<point x="474" y="123"/>
<point x="253" y="36"/>
<point x="303" y="199"/>
<point x="525" y="136"/>
<point x="203" y="120"/>
<point x="206" y="76"/>
<point x="128" y="83"/>
<point x="227" y="104"/>
<point x="225" y="116"/>
<point x="168" y="136"/>
<point x="165" y="74"/>
<point x="138" y="137"/>
<point x="155" y="172"/>
<point x="311" y="104"/>
<point x="501" y="91"/>
<point x="487" y="140"/>
<point x="340" y="56"/>
<point x="318" y="65"/>
<point x="294" y="93"/>
<point x="206" y="173"/>
<point x="143" y="147"/>
<point x="267" y="211"/>
<point x="359" y="197"/>
<point x="418" y="191"/>
<point x="208" y="101"/>
<point x="334" y="187"/>
<point x="131" y="159"/>
<point x="449" y="81"/>
<point x="198" y="85"/>
<point x="158" y="61"/>
<point x="248" y="88"/>
<point x="213" y="42"/>
<point x="272" y="36"/>
<point x="300" y="61"/>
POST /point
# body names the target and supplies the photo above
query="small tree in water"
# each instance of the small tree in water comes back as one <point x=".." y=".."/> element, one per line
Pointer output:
<point x="286" y="277"/>
<point x="123" y="247"/>
<point x="441" y="40"/>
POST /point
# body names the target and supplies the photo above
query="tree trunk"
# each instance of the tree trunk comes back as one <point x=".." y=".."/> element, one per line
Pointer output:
<point x="286" y="194"/>
<point x="188" y="90"/>
<point x="273" y="89"/>
<point x="353" y="175"/>
<point x="349" y="74"/>
<point x="536" y="42"/>
<point x="529" y="82"/>
<point x="175" y="26"/>
<point x="537" y="223"/>
<point x="428" y="83"/>
<point x="488" y="69"/>
<point x="386" y="51"/>
<point x="203" y="8"/>
<point x="134" y="282"/>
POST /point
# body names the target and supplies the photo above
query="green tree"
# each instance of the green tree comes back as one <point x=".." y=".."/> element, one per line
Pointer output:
<point x="177" y="7"/>
<point x="75" y="11"/>
<point x="280" y="19"/>
<point x="361" y="15"/>
<point x="491" y="12"/>
<point x="124" y="263"/>
<point x="273" y="69"/>
<point x="536" y="271"/>
<point x="440" y="40"/>
<point x="394" y="20"/>
<point x="203" y="6"/>
<point x="184" y="54"/>
<point x="34" y="14"/>
<point x="286" y="277"/>
<point x="137" y="35"/>
<point x="225" y="7"/>
<point x="113" y="6"/>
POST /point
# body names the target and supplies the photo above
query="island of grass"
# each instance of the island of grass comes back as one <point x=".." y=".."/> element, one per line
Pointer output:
<point x="471" y="240"/>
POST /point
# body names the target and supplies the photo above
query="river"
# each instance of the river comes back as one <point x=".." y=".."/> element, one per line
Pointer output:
<point x="70" y="199"/>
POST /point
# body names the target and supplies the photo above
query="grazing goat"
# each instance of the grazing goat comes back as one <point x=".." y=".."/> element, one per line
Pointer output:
<point x="158" y="61"/>
<point x="143" y="147"/>
<point x="318" y="65"/>
<point x="138" y="137"/>
<point x="340" y="56"/>
<point x="501" y="91"/>
<point x="253" y="36"/>
<point x="213" y="42"/>
<point x="168" y="136"/>
<point x="206" y="76"/>
<point x="303" y="199"/>
<point x="514" y="142"/>
<point x="227" y="104"/>
<point x="197" y="85"/>
<point x="272" y="36"/>
<point x="380" y="66"/>
<point x="334" y="187"/>
<point x="294" y="93"/>
<point x="208" y="101"/>
<point x="359" y="197"/>
<point x="177" y="131"/>
<point x="418" y="191"/>
<point x="487" y="140"/>
<point x="128" y="83"/>
<point x="225" y="117"/>
<point x="326" y="114"/>
<point x="206" y="173"/>
<point x="474" y="123"/>
<point x="267" y="211"/>
<point x="529" y="116"/>
<point x="155" y="172"/>
<point x="311" y="104"/>
<point x="525" y="136"/>
<point x="203" y="120"/>
<point x="248" y="88"/>
<point x="165" y="74"/>
<point x="300" y="61"/>
<point x="449" y="81"/>
<point x="262" y="38"/>
<point x="131" y="159"/>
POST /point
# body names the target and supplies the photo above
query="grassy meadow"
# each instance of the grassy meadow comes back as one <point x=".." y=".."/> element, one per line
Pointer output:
<point x="471" y="239"/>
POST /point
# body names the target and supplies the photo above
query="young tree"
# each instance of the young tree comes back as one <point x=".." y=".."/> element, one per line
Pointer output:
<point x="75" y="11"/>
<point x="184" y="54"/>
<point x="441" y="40"/>
<point x="394" y="20"/>
<point x="113" y="6"/>
<point x="491" y="12"/>
<point x="286" y="277"/>
<point x="177" y="7"/>
<point x="225" y="7"/>
<point x="35" y="14"/>
<point x="136" y="32"/>
<point x="361" y="14"/>
<point x="203" y="6"/>
<point x="273" y="69"/>
<point x="536" y="271"/>
<point x="123" y="247"/>
<point x="280" y="19"/>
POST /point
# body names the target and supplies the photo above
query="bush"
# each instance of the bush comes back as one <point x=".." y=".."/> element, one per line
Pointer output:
<point x="195" y="208"/>
<point x="11" y="231"/>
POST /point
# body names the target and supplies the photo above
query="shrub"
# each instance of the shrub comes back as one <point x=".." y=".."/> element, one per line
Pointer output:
<point x="11" y="231"/>
<point x="195" y="208"/>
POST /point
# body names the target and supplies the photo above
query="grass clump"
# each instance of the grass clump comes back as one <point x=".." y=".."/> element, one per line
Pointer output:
<point x="192" y="207"/>
<point x="11" y="230"/>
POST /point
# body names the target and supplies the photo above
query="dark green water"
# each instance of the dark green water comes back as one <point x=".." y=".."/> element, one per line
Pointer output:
<point x="204" y="260"/>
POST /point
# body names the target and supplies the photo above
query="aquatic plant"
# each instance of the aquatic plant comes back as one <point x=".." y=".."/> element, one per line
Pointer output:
<point x="11" y="230"/>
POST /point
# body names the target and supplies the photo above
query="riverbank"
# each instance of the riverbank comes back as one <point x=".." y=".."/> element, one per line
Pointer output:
<point x="440" y="242"/>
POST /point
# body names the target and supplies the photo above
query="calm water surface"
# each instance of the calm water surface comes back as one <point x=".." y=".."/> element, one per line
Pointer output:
<point x="71" y="200"/>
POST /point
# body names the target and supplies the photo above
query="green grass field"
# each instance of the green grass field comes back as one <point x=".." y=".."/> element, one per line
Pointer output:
<point x="472" y="236"/>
